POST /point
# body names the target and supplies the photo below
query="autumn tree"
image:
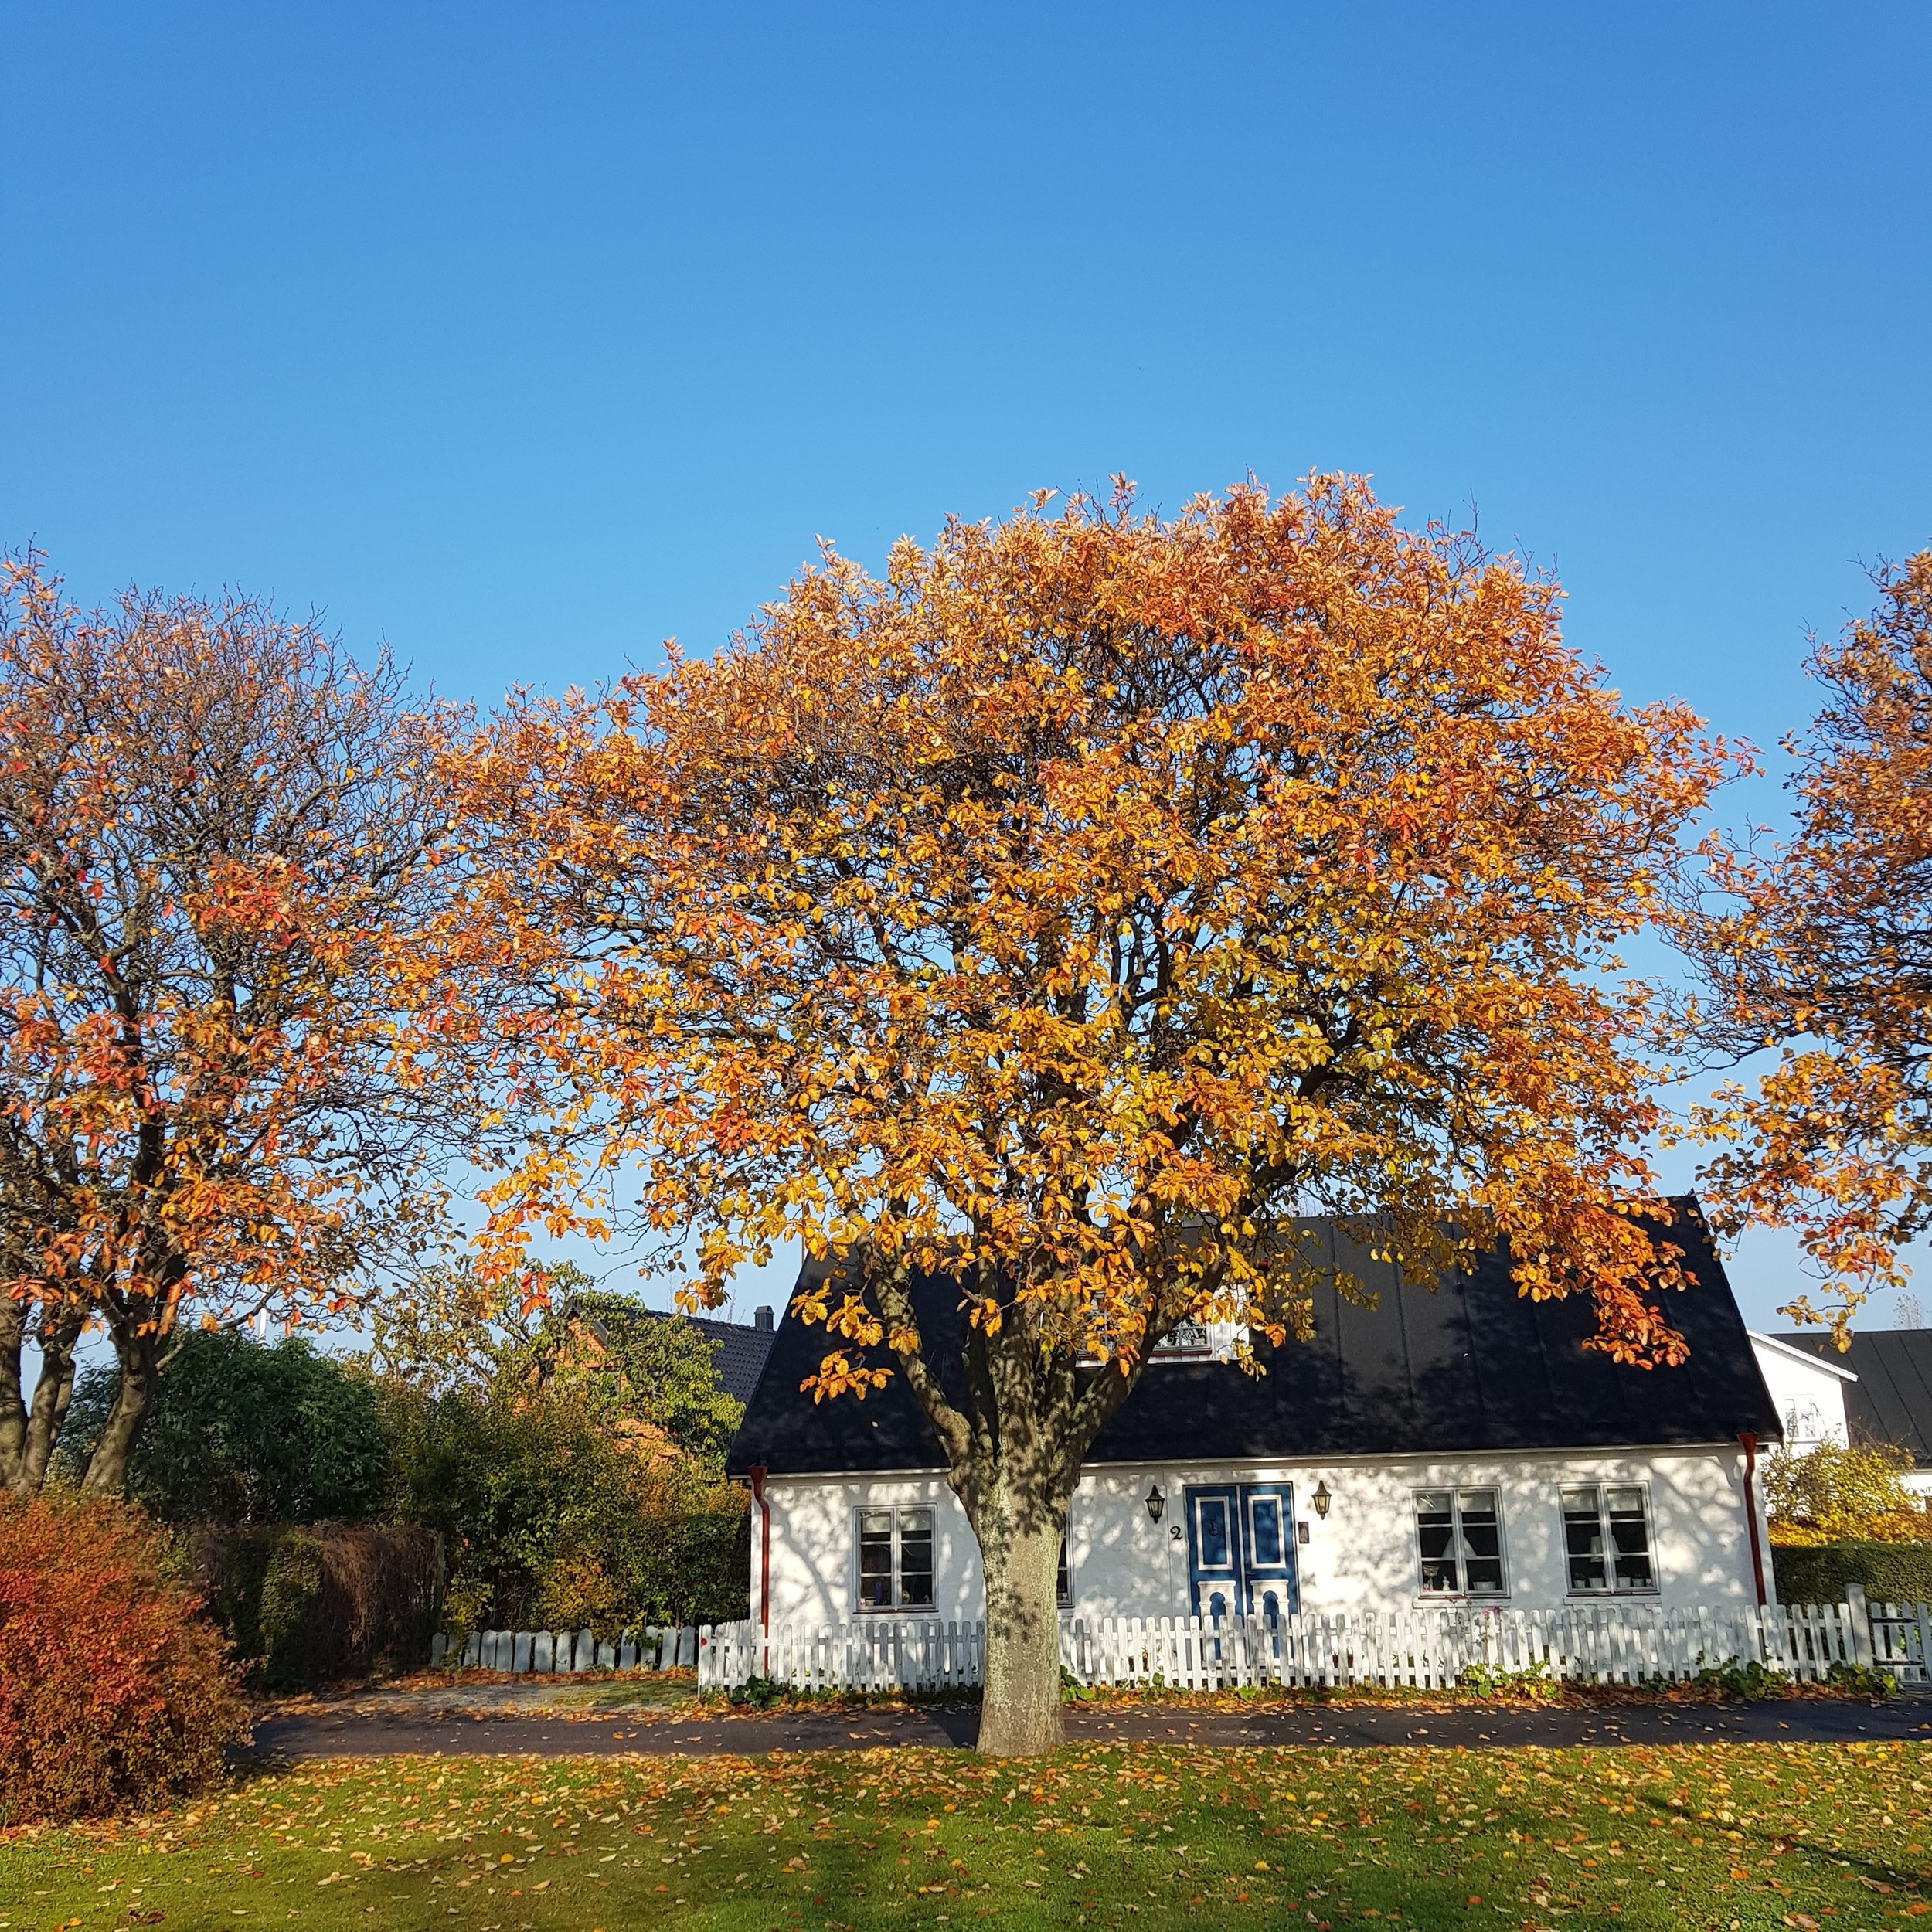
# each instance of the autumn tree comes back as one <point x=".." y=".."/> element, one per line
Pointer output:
<point x="1818" y="946"/>
<point x="649" y="1377"/>
<point x="1071" y="911"/>
<point x="212" y="832"/>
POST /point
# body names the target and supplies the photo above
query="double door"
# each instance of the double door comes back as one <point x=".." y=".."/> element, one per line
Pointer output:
<point x="1240" y="1550"/>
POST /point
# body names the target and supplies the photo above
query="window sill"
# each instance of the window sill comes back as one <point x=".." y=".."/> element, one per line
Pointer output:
<point x="896" y="1609"/>
<point x="1650" y="1595"/>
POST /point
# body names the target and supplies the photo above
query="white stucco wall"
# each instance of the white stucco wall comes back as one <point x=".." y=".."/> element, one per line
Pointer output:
<point x="1363" y="1555"/>
<point x="1809" y="1393"/>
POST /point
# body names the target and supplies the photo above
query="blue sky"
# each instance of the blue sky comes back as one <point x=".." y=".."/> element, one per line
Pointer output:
<point x="525" y="337"/>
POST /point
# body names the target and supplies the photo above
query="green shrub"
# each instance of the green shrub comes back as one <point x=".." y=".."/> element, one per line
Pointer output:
<point x="1891" y="1573"/>
<point x="551" y="1522"/>
<point x="114" y="1694"/>
<point x="306" y="1604"/>
<point x="239" y="1433"/>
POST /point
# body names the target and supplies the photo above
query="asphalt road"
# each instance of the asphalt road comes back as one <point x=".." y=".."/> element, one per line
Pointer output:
<point x="322" y="1733"/>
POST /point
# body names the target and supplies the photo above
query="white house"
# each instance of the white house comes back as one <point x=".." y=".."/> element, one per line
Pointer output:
<point x="1457" y="1445"/>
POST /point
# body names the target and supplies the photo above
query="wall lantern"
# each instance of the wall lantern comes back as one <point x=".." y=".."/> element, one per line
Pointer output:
<point x="1156" y="1502"/>
<point x="1321" y="1500"/>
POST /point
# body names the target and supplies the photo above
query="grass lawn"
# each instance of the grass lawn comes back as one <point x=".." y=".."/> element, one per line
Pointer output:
<point x="1739" y="1835"/>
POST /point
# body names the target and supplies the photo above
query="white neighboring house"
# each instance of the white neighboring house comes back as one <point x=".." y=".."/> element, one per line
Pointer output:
<point x="1808" y="1391"/>
<point x="1879" y="1390"/>
<point x="1458" y="1445"/>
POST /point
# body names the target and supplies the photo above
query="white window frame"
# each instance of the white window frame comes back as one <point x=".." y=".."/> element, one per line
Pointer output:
<point x="1611" y="1587"/>
<point x="896" y="1608"/>
<point x="1458" y="1544"/>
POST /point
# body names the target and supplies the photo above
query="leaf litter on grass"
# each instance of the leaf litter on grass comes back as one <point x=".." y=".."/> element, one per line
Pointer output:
<point x="1749" y="1836"/>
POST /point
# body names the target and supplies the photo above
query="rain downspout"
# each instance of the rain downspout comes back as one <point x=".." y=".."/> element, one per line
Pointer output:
<point x="764" y="1556"/>
<point x="1750" y="1512"/>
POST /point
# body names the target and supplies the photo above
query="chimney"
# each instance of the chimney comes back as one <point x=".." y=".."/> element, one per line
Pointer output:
<point x="761" y="1318"/>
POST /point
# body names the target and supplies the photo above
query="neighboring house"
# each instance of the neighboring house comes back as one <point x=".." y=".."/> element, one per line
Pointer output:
<point x="1459" y="1446"/>
<point x="738" y="1352"/>
<point x="1810" y="1391"/>
<point x="741" y="1352"/>
<point x="1879" y="1390"/>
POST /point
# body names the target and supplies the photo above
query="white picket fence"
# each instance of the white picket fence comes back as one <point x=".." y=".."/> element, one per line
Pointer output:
<point x="1431" y="1648"/>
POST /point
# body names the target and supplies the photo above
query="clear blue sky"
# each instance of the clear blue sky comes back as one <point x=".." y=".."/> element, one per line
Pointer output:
<point x="523" y="338"/>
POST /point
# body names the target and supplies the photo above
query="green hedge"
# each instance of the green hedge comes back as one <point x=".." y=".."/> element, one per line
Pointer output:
<point x="310" y="1604"/>
<point x="1890" y="1573"/>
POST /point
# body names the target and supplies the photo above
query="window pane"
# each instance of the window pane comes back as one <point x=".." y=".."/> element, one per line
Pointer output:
<point x="916" y="1558"/>
<point x="1584" y="1540"/>
<point x="1436" y="1533"/>
<point x="1264" y="1521"/>
<point x="876" y="1559"/>
<point x="1630" y="1540"/>
<point x="1212" y="1513"/>
<point x="1482" y="1542"/>
<point x="1063" y="1581"/>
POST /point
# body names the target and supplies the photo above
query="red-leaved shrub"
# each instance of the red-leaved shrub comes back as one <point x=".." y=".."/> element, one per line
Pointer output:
<point x="115" y="1695"/>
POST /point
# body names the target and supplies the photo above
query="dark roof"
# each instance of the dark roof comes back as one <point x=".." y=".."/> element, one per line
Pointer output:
<point x="1892" y="1400"/>
<point x="740" y="1354"/>
<point x="1472" y="1366"/>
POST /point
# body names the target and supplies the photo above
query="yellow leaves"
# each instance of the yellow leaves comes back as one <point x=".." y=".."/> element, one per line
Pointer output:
<point x="838" y="1375"/>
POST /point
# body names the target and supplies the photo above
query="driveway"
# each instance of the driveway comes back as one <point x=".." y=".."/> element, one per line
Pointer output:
<point x="373" y="1731"/>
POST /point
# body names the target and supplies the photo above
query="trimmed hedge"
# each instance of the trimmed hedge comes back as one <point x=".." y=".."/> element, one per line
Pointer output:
<point x="1890" y="1573"/>
<point x="305" y="1604"/>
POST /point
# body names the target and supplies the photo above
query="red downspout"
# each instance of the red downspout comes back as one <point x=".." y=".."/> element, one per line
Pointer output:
<point x="764" y="1553"/>
<point x="1750" y="1512"/>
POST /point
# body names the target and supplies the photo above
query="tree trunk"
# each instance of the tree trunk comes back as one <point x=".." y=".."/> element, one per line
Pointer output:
<point x="60" y="1336"/>
<point x="13" y="1413"/>
<point x="1014" y="1448"/>
<point x="28" y="1435"/>
<point x="113" y="1458"/>
<point x="1020" y="1708"/>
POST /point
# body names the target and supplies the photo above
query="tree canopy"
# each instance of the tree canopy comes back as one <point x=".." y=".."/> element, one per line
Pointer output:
<point x="1818" y="947"/>
<point x="214" y="831"/>
<point x="239" y="1433"/>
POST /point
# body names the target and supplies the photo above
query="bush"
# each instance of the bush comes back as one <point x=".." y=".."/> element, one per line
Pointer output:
<point x="307" y="1604"/>
<point x="239" y="1433"/>
<point x="1832" y="1494"/>
<point x="551" y="1523"/>
<point x="115" y="1694"/>
<point x="1891" y="1573"/>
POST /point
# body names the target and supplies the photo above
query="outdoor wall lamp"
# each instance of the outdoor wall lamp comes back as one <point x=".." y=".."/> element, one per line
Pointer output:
<point x="1322" y="1499"/>
<point x="1156" y="1502"/>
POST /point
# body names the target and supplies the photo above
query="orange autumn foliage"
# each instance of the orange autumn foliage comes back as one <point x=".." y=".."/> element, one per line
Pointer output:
<point x="213" y="831"/>
<point x="1075" y="910"/>
<point x="1090" y="878"/>
<point x="116" y="1694"/>
<point x="1820" y="948"/>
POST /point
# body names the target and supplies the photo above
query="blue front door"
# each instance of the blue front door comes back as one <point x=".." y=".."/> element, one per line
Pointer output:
<point x="1214" y="1550"/>
<point x="1240" y="1550"/>
<point x="1267" y="1543"/>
